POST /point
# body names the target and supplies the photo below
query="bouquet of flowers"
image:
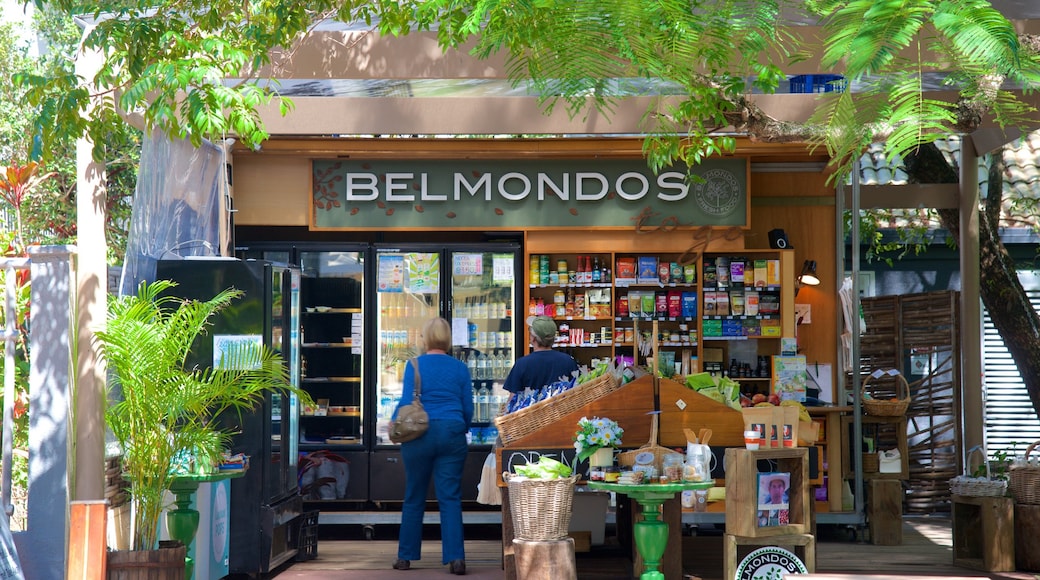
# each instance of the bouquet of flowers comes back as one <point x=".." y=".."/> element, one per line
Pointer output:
<point x="594" y="434"/>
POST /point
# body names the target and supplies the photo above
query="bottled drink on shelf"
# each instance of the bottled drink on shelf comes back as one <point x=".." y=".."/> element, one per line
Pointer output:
<point x="477" y="416"/>
<point x="597" y="275"/>
<point x="483" y="403"/>
<point x="482" y="367"/>
<point x="471" y="364"/>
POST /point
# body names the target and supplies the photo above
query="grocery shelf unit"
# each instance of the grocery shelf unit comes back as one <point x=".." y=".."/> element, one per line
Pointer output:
<point x="744" y="333"/>
<point x="599" y="319"/>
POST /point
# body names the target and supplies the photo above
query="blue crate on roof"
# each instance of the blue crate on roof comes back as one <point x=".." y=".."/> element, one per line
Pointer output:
<point x="817" y="84"/>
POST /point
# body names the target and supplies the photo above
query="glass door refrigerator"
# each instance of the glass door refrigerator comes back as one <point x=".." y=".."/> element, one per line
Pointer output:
<point x="265" y="500"/>
<point x="475" y="289"/>
<point x="332" y="432"/>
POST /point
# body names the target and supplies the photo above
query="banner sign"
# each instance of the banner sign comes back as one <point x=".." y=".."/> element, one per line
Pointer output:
<point x="525" y="194"/>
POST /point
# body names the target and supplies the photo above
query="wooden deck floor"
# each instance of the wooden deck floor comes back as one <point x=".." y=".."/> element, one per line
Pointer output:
<point x="926" y="551"/>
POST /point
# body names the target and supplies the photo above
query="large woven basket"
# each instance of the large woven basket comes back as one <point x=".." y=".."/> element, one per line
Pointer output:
<point x="521" y="423"/>
<point x="1024" y="476"/>
<point x="977" y="486"/>
<point x="541" y="507"/>
<point x="877" y="386"/>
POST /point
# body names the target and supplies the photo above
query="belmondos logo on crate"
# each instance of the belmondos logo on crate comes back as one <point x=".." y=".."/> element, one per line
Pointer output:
<point x="769" y="563"/>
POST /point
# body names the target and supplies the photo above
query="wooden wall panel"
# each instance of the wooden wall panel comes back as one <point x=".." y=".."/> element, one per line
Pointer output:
<point x="802" y="204"/>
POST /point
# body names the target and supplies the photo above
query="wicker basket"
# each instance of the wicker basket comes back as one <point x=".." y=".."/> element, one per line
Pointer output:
<point x="521" y="423"/>
<point x="977" y="486"/>
<point x="541" y="507"/>
<point x="1025" y="479"/>
<point x="628" y="458"/>
<point x="885" y="407"/>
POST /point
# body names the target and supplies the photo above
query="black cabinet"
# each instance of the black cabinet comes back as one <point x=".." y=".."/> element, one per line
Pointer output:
<point x="386" y="473"/>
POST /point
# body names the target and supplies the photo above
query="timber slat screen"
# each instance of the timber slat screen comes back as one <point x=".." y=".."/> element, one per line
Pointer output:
<point x="918" y="335"/>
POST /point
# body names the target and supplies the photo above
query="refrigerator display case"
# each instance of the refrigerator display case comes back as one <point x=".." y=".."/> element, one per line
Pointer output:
<point x="333" y="288"/>
<point x="265" y="500"/>
<point x="473" y="288"/>
<point x="363" y="307"/>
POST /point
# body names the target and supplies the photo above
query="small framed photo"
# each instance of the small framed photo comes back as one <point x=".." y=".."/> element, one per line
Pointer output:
<point x="774" y="499"/>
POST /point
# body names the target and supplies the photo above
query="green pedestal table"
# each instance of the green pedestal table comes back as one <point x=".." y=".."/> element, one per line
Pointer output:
<point x="183" y="522"/>
<point x="651" y="534"/>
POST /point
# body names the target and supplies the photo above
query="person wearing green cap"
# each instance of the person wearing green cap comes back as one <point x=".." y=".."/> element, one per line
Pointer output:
<point x="543" y="366"/>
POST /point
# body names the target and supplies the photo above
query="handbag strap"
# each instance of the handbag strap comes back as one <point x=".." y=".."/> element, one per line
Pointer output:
<point x="417" y="380"/>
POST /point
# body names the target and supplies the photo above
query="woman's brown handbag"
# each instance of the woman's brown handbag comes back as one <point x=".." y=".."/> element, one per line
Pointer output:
<point x="412" y="420"/>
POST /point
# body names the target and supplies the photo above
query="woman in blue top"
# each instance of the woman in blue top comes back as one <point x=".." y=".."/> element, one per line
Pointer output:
<point x="440" y="453"/>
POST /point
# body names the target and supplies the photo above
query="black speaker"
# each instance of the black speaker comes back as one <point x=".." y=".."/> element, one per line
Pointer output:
<point x="778" y="240"/>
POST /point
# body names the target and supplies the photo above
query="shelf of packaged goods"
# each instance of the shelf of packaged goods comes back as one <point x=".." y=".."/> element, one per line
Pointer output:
<point x="575" y="286"/>
<point x="743" y="317"/>
<point x="652" y="286"/>
<point x="679" y="319"/>
<point x="585" y="345"/>
<point x="580" y="318"/>
<point x="330" y="310"/>
<point x="662" y="344"/>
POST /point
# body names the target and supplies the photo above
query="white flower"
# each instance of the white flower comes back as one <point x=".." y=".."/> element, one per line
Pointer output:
<point x="594" y="434"/>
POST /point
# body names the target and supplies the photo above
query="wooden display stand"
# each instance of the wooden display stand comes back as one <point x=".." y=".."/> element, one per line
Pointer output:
<point x="681" y="408"/>
<point x="983" y="533"/>
<point x="875" y="423"/>
<point x="742" y="505"/>
<point x="742" y="491"/>
<point x="807" y="543"/>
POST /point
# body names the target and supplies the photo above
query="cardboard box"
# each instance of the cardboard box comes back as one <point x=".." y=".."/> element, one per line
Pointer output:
<point x="772" y="272"/>
<point x="770" y="327"/>
<point x="760" y="274"/>
<point x="625" y="270"/>
<point x="647" y="272"/>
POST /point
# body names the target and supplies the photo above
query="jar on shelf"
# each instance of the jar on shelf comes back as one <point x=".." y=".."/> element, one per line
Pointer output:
<point x="672" y="467"/>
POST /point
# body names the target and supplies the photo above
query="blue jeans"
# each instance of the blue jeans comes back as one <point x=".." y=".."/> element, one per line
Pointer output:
<point x="439" y="454"/>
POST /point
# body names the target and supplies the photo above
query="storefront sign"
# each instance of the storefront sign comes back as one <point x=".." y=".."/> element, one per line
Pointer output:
<point x="769" y="562"/>
<point x="525" y="194"/>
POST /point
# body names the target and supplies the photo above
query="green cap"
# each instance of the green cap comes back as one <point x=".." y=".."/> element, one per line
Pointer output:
<point x="543" y="327"/>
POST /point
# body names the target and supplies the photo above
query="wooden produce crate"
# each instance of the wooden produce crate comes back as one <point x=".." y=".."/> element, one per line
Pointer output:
<point x="631" y="404"/>
<point x="742" y="491"/>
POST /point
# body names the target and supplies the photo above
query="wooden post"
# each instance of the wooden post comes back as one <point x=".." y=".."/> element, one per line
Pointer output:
<point x="87" y="540"/>
<point x="545" y="559"/>
<point x="508" y="554"/>
<point x="885" y="512"/>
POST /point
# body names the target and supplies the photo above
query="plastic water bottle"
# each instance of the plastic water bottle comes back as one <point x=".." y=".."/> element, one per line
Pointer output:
<point x="483" y="403"/>
<point x="482" y="367"/>
<point x="477" y="417"/>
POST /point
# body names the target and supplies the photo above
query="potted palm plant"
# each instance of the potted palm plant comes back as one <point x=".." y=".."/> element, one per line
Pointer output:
<point x="161" y="410"/>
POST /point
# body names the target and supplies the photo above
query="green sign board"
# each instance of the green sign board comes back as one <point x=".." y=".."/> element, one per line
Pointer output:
<point x="525" y="194"/>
